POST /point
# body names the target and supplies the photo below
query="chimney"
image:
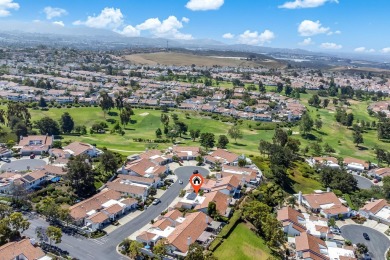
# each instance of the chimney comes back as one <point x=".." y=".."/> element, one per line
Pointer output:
<point x="21" y="137"/>
<point x="300" y="197"/>
<point x="328" y="189"/>
<point x="189" y="241"/>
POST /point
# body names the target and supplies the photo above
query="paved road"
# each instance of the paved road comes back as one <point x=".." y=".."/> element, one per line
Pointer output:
<point x="377" y="245"/>
<point x="105" y="248"/>
<point x="22" y="164"/>
<point x="363" y="183"/>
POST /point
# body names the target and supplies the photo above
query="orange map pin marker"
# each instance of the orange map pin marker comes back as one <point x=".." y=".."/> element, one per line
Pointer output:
<point x="196" y="181"/>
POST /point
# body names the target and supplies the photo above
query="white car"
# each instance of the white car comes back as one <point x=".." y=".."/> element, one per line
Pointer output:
<point x="180" y="182"/>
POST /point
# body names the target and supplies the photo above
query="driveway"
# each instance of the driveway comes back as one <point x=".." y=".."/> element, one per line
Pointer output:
<point x="105" y="248"/>
<point x="23" y="165"/>
<point x="363" y="183"/>
<point x="377" y="245"/>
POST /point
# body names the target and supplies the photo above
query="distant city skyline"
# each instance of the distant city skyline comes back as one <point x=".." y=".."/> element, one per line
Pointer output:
<point x="316" y="25"/>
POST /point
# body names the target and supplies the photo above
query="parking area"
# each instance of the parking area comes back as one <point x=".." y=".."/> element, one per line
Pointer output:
<point x="23" y="165"/>
<point x="377" y="244"/>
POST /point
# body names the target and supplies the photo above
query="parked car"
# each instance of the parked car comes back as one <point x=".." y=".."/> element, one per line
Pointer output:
<point x="156" y="201"/>
<point x="32" y="156"/>
<point x="180" y="182"/>
<point x="366" y="237"/>
<point x="4" y="159"/>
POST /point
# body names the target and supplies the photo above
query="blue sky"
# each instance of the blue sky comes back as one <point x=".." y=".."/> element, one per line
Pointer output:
<point x="334" y="25"/>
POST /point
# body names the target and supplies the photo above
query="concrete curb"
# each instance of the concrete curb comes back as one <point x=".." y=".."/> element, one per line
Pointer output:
<point x="117" y="250"/>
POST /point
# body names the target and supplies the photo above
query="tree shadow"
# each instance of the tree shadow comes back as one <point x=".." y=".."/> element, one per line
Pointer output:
<point x="112" y="113"/>
<point x="132" y="121"/>
<point x="309" y="136"/>
<point x="362" y="148"/>
<point x="238" y="144"/>
<point x="321" y="132"/>
<point x="131" y="129"/>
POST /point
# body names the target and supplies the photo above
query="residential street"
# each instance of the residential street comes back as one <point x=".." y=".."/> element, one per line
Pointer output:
<point x="105" y="248"/>
<point x="363" y="183"/>
<point x="377" y="245"/>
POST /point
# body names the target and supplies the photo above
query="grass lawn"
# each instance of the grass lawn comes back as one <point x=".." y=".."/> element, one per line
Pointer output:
<point x="339" y="136"/>
<point x="145" y="122"/>
<point x="242" y="244"/>
<point x="298" y="182"/>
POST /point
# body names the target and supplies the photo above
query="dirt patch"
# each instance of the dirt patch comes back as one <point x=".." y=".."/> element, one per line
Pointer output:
<point x="144" y="114"/>
<point x="182" y="59"/>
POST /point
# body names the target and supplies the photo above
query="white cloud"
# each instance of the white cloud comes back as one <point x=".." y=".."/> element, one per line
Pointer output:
<point x="168" y="28"/>
<point x="331" y="46"/>
<point x="52" y="12"/>
<point x="254" y="38"/>
<point x="109" y="18"/>
<point x="360" y="49"/>
<point x="306" y="3"/>
<point x="306" y="42"/>
<point x="204" y="5"/>
<point x="59" y="23"/>
<point x="129" y="31"/>
<point x="386" y="50"/>
<point x="6" y="5"/>
<point x="309" y="28"/>
<point x="363" y="49"/>
<point x="335" y="32"/>
<point x="228" y="36"/>
<point x="185" y="20"/>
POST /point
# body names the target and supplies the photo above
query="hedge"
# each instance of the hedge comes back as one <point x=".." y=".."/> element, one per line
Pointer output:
<point x="215" y="244"/>
<point x="234" y="220"/>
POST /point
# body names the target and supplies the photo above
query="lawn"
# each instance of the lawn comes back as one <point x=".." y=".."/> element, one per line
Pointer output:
<point x="242" y="244"/>
<point x="144" y="124"/>
<point x="339" y="136"/>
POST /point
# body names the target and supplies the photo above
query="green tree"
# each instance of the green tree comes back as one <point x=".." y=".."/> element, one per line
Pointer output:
<point x="357" y="137"/>
<point x="306" y="124"/>
<point x="17" y="222"/>
<point x="109" y="162"/>
<point x="207" y="140"/>
<point x="195" y="252"/>
<point x="54" y="234"/>
<point x="42" y="102"/>
<point x="332" y="222"/>
<point x="194" y="134"/>
<point x="158" y="133"/>
<point x="212" y="209"/>
<point x="2" y="116"/>
<point x="47" y="125"/>
<point x="67" y="123"/>
<point x="256" y="213"/>
<point x="291" y="201"/>
<point x="280" y="137"/>
<point x="222" y="141"/>
<point x="81" y="176"/>
<point x="318" y="124"/>
<point x="105" y="102"/>
<point x="50" y="209"/>
<point x="235" y="133"/>
<point x="272" y="232"/>
<point x="160" y="249"/>
<point x="164" y="119"/>
<point x="135" y="249"/>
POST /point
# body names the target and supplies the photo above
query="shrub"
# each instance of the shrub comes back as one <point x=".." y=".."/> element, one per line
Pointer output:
<point x="235" y="219"/>
<point x="215" y="244"/>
